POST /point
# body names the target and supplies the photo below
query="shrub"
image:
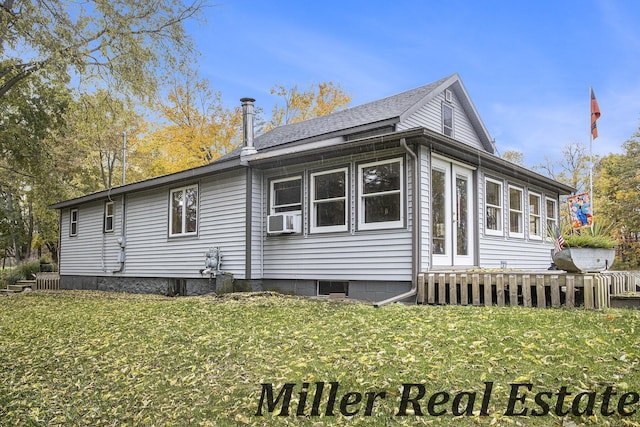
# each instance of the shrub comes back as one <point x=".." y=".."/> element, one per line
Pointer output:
<point x="22" y="272"/>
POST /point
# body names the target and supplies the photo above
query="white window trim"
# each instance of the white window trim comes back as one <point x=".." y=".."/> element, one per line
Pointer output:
<point x="533" y="236"/>
<point x="362" y="225"/>
<point x="313" y="202"/>
<point x="106" y="216"/>
<point x="500" y="230"/>
<point x="184" y="212"/>
<point x="73" y="222"/>
<point x="521" y="211"/>
<point x="554" y="220"/>
<point x="272" y="198"/>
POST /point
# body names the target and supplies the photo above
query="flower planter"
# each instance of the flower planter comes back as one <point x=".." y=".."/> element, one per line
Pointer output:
<point x="584" y="260"/>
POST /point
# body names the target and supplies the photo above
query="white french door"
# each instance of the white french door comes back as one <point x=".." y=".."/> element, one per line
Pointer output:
<point x="452" y="214"/>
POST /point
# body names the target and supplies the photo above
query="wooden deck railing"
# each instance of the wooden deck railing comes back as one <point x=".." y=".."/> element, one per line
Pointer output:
<point x="542" y="289"/>
<point x="49" y="281"/>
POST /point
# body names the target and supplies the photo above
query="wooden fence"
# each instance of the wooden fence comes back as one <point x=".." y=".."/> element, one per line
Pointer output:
<point x="544" y="289"/>
<point x="50" y="281"/>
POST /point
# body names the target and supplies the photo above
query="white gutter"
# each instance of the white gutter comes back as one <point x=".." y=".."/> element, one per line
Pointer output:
<point x="415" y="241"/>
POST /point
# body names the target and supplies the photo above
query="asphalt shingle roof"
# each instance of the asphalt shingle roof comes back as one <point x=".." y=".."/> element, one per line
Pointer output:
<point x="388" y="108"/>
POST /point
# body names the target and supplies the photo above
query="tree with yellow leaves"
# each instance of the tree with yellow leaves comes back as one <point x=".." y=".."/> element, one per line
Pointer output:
<point x="307" y="104"/>
<point x="199" y="130"/>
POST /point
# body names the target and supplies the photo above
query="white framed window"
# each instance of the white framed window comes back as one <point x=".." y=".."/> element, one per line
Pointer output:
<point x="516" y="212"/>
<point x="108" y="217"/>
<point x="329" y="195"/>
<point x="73" y="222"/>
<point x="381" y="194"/>
<point x="493" y="206"/>
<point x="552" y="215"/>
<point x="183" y="211"/>
<point x="535" y="217"/>
<point x="447" y="120"/>
<point x="285" y="195"/>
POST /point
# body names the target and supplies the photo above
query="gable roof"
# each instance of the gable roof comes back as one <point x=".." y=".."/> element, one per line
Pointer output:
<point x="384" y="112"/>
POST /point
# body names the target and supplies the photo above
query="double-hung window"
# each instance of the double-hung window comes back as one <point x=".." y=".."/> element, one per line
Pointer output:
<point x="552" y="215"/>
<point x="183" y="211"/>
<point x="381" y="194"/>
<point x="329" y="194"/>
<point x="73" y="222"/>
<point x="535" y="217"/>
<point x="108" y="217"/>
<point x="286" y="195"/>
<point x="493" y="207"/>
<point x="515" y="212"/>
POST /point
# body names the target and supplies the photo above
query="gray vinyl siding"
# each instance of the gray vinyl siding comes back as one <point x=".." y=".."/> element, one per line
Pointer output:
<point x="516" y="252"/>
<point x="258" y="226"/>
<point x="149" y="250"/>
<point x="425" y="212"/>
<point x="91" y="251"/>
<point x="221" y="223"/>
<point x="430" y="116"/>
<point x="353" y="255"/>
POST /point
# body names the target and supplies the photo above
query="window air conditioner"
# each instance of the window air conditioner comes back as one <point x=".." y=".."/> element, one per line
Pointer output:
<point x="283" y="223"/>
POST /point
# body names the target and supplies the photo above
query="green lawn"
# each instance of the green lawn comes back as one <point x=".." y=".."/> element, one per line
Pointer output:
<point x="98" y="359"/>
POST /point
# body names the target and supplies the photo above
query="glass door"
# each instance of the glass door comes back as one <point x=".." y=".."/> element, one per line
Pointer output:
<point x="452" y="216"/>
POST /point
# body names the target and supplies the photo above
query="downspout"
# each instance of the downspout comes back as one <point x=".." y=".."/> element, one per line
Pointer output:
<point x="415" y="232"/>
<point x="122" y="240"/>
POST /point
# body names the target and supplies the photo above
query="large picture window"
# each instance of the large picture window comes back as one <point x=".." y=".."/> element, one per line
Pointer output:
<point x="329" y="200"/>
<point x="493" y="207"/>
<point x="381" y="195"/>
<point x="515" y="212"/>
<point x="286" y="195"/>
<point x="183" y="212"/>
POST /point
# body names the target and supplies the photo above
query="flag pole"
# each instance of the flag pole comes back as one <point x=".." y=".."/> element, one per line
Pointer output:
<point x="591" y="152"/>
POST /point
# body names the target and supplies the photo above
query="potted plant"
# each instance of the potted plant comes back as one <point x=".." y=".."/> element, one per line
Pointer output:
<point x="588" y="249"/>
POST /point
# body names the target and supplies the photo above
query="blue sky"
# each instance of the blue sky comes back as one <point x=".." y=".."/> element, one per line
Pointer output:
<point x="527" y="66"/>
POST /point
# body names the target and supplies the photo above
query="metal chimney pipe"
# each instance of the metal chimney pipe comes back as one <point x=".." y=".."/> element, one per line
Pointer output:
<point x="247" y="128"/>
<point x="247" y="121"/>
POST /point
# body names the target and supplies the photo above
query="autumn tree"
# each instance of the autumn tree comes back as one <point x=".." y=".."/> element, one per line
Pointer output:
<point x="196" y="130"/>
<point x="98" y="124"/>
<point x="297" y="105"/>
<point x="123" y="41"/>
<point x="27" y="121"/>
<point x="616" y="193"/>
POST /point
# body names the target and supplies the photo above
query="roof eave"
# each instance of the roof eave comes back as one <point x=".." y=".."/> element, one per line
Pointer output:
<point x="174" y="178"/>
